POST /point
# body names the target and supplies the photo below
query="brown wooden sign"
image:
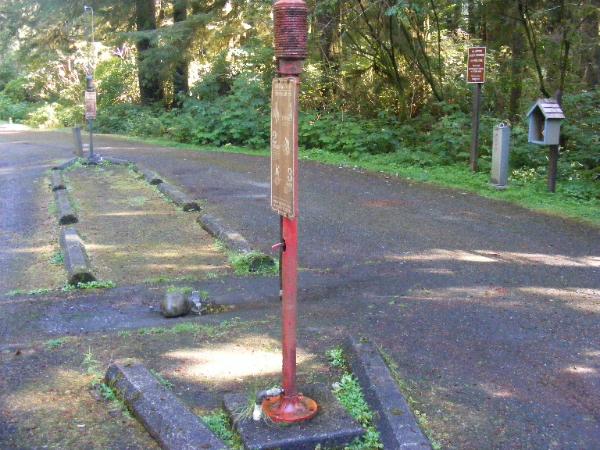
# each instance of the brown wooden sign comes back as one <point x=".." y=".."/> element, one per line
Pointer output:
<point x="284" y="121"/>
<point x="90" y="105"/>
<point x="476" y="65"/>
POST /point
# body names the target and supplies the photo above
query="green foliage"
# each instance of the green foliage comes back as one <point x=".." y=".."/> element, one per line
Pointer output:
<point x="350" y="395"/>
<point x="162" y="380"/>
<point x="9" y="109"/>
<point x="218" y="422"/>
<point x="57" y="259"/>
<point x="53" y="344"/>
<point x="98" y="284"/>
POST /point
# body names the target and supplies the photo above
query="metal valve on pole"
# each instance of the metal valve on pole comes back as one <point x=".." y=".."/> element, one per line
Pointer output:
<point x="291" y="49"/>
<point x="90" y="91"/>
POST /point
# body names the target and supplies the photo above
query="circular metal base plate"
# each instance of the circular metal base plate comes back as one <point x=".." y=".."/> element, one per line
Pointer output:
<point x="290" y="409"/>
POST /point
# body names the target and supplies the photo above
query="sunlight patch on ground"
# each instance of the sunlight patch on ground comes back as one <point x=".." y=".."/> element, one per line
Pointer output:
<point x="578" y="298"/>
<point x="581" y="370"/>
<point x="489" y="256"/>
<point x="33" y="250"/>
<point x="231" y="362"/>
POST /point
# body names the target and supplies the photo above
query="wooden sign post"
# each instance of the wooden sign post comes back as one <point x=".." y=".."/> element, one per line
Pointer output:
<point x="476" y="76"/>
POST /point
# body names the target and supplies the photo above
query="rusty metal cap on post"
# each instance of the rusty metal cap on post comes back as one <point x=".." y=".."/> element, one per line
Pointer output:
<point x="291" y="29"/>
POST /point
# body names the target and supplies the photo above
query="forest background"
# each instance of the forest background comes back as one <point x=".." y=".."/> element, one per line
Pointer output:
<point x="384" y="86"/>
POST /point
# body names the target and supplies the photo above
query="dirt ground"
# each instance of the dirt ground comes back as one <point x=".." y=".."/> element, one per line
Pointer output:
<point x="133" y="234"/>
<point x="48" y="387"/>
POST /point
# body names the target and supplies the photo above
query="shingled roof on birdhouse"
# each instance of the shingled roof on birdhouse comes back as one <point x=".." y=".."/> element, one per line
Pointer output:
<point x="545" y="117"/>
<point x="549" y="108"/>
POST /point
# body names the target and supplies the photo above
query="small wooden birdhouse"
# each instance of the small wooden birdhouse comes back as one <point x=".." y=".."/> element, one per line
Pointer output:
<point x="545" y="118"/>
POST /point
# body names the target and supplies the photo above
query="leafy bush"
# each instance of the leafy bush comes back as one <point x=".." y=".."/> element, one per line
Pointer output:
<point x="9" y="109"/>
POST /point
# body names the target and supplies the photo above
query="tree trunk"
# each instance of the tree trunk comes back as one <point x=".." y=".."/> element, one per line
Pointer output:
<point x="590" y="55"/>
<point x="516" y="72"/>
<point x="327" y="21"/>
<point x="150" y="86"/>
<point x="180" y="74"/>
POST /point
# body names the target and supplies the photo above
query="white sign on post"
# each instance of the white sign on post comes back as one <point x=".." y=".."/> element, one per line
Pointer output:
<point x="90" y="105"/>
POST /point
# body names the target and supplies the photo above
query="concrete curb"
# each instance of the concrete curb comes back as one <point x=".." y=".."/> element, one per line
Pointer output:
<point x="116" y="161"/>
<point x="66" y="215"/>
<point x="56" y="180"/>
<point x="395" y="421"/>
<point x="167" y="420"/>
<point x="150" y="176"/>
<point x="216" y="228"/>
<point x="76" y="260"/>
<point x="178" y="197"/>
<point x="66" y="164"/>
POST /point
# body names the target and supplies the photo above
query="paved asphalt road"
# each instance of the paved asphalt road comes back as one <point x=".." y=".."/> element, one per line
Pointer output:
<point x="500" y="324"/>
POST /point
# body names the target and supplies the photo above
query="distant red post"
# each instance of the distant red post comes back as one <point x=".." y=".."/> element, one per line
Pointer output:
<point x="291" y="37"/>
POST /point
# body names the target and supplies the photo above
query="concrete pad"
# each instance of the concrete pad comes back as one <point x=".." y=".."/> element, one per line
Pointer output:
<point x="57" y="180"/>
<point x="216" y="228"/>
<point x="167" y="420"/>
<point x="66" y="215"/>
<point x="331" y="428"/>
<point x="178" y="197"/>
<point x="76" y="259"/>
<point x="395" y="421"/>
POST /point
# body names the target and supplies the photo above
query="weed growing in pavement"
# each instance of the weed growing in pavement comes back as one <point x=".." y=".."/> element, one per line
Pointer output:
<point x="162" y="380"/>
<point x="350" y="395"/>
<point x="218" y="422"/>
<point x="92" y="368"/>
<point x="98" y="284"/>
<point x="53" y="344"/>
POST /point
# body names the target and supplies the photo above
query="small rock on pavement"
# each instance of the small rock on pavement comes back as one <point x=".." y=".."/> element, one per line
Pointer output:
<point x="175" y="304"/>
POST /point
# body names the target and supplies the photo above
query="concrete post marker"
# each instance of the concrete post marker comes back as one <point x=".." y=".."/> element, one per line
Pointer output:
<point x="151" y="177"/>
<point x="216" y="228"/>
<point x="66" y="215"/>
<point x="167" y="420"/>
<point x="116" y="161"/>
<point x="76" y="260"/>
<point x="397" y="425"/>
<point x="66" y="164"/>
<point x="178" y="197"/>
<point x="57" y="180"/>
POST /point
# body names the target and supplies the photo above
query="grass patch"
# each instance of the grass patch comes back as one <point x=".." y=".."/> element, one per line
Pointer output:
<point x="350" y="395"/>
<point x="185" y="290"/>
<point x="57" y="259"/>
<point x="53" y="344"/>
<point x="194" y="328"/>
<point x="253" y="263"/>
<point x="32" y="292"/>
<point x="218" y="422"/>
<point x="98" y="284"/>
<point x="165" y="279"/>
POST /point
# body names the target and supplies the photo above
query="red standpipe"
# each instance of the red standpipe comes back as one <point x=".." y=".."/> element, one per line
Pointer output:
<point x="291" y="37"/>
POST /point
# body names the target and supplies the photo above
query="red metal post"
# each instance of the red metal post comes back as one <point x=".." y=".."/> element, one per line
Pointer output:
<point x="291" y="37"/>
